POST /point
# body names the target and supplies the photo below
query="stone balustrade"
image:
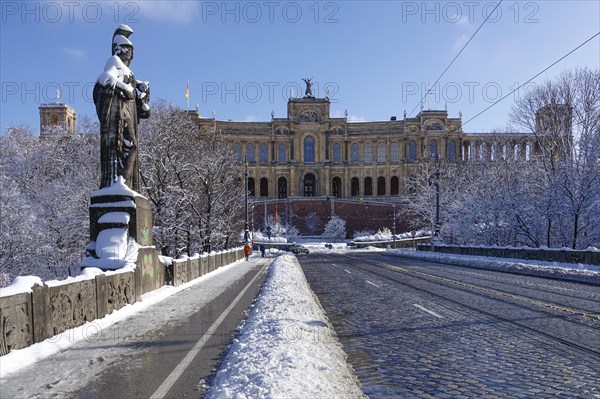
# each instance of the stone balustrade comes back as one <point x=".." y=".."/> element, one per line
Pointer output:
<point x="49" y="310"/>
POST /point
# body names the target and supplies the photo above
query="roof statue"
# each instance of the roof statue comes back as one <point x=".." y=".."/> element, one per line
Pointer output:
<point x="308" y="92"/>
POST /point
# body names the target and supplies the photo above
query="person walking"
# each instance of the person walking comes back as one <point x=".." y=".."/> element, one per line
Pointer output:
<point x="247" y="251"/>
<point x="262" y="249"/>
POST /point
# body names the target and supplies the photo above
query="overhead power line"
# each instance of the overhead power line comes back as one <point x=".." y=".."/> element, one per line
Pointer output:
<point x="454" y="59"/>
<point x="532" y="78"/>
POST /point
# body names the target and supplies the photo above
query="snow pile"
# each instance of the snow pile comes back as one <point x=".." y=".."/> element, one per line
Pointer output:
<point x="570" y="271"/>
<point x="286" y="349"/>
<point x="20" y="284"/>
<point x="386" y="235"/>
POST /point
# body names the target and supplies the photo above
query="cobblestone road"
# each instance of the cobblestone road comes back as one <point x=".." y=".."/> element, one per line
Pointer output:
<point x="414" y="329"/>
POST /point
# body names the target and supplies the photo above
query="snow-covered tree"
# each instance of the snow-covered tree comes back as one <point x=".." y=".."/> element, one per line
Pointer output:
<point x="564" y="115"/>
<point x="45" y="187"/>
<point x="193" y="182"/>
<point x="335" y="229"/>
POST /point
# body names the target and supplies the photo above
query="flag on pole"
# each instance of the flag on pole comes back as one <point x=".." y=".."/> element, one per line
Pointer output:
<point x="187" y="94"/>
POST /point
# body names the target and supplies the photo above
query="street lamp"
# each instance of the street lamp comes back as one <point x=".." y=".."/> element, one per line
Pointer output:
<point x="394" y="210"/>
<point x="437" y="238"/>
<point x="246" y="231"/>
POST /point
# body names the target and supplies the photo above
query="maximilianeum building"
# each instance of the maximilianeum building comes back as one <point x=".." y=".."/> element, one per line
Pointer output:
<point x="309" y="165"/>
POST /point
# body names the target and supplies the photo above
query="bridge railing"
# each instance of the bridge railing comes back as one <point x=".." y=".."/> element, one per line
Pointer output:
<point x="549" y="255"/>
<point x="51" y="309"/>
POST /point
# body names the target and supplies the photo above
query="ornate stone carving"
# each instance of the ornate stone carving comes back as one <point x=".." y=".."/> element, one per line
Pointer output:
<point x="16" y="330"/>
<point x="308" y="116"/>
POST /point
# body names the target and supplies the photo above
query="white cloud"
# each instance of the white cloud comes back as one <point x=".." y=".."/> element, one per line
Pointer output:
<point x="460" y="41"/>
<point x="75" y="53"/>
<point x="251" y="118"/>
<point x="173" y="11"/>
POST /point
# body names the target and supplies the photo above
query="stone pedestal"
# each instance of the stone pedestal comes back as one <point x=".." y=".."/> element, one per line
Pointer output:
<point x="121" y="222"/>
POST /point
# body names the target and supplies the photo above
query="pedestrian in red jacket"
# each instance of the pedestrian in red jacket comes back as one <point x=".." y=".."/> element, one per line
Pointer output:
<point x="247" y="251"/>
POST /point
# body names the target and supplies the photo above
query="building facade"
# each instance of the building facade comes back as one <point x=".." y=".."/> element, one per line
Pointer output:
<point x="310" y="154"/>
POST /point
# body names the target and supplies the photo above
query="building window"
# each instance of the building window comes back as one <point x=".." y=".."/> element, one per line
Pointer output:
<point x="250" y="152"/>
<point x="264" y="187"/>
<point x="395" y="186"/>
<point x="251" y="187"/>
<point x="368" y="152"/>
<point x="354" y="187"/>
<point x="395" y="152"/>
<point x="336" y="187"/>
<point x="354" y="152"/>
<point x="309" y="149"/>
<point x="337" y="153"/>
<point x="263" y="151"/>
<point x="433" y="149"/>
<point x="412" y="150"/>
<point x="381" y="152"/>
<point x="282" y="153"/>
<point x="309" y="185"/>
<point x="368" y="186"/>
<point x="451" y="150"/>
<point x="282" y="187"/>
<point x="381" y="185"/>
<point x="237" y="152"/>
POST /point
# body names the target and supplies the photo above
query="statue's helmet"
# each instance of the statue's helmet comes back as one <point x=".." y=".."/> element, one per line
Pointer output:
<point x="123" y="30"/>
<point x="120" y="42"/>
<point x="120" y="38"/>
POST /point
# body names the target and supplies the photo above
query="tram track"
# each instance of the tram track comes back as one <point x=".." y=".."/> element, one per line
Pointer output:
<point x="592" y="298"/>
<point x="544" y="308"/>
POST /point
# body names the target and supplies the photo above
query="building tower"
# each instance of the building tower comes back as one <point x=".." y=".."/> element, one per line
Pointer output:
<point x="55" y="115"/>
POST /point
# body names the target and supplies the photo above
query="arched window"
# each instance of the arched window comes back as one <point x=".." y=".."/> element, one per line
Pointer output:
<point x="381" y="185"/>
<point x="282" y="187"/>
<point x="381" y="152"/>
<point x="309" y="149"/>
<point x="336" y="187"/>
<point x="354" y="152"/>
<point x="264" y="187"/>
<point x="337" y="153"/>
<point x="451" y="150"/>
<point x="395" y="152"/>
<point x="354" y="187"/>
<point x="395" y="186"/>
<point x="412" y="150"/>
<point x="263" y="151"/>
<point x="237" y="152"/>
<point x="250" y="152"/>
<point x="368" y="152"/>
<point x="433" y="149"/>
<point x="251" y="187"/>
<point x="282" y="153"/>
<point x="368" y="186"/>
<point x="309" y="185"/>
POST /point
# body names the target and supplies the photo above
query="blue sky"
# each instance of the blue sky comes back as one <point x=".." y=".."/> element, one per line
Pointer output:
<point x="243" y="59"/>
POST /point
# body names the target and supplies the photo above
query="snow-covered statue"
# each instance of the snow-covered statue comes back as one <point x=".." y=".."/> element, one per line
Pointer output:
<point x="120" y="101"/>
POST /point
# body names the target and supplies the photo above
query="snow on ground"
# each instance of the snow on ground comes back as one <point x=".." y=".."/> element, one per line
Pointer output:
<point x="286" y="348"/>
